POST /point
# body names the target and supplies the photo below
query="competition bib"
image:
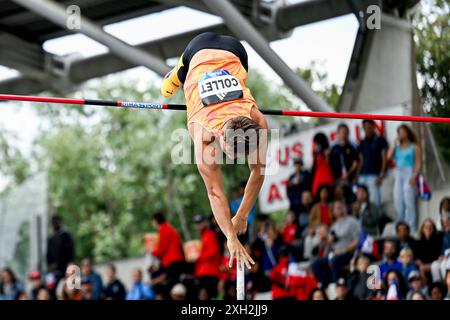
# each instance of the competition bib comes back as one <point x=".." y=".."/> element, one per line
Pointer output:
<point x="219" y="86"/>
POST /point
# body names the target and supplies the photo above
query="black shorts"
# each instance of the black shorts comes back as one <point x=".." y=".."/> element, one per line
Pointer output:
<point x="211" y="40"/>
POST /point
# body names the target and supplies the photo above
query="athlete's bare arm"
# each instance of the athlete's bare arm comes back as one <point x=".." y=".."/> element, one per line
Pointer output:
<point x="205" y="153"/>
<point x="257" y="165"/>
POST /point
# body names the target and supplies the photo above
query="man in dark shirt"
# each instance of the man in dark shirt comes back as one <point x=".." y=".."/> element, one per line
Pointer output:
<point x="60" y="248"/>
<point x="114" y="289"/>
<point x="344" y="157"/>
<point x="298" y="182"/>
<point x="373" y="161"/>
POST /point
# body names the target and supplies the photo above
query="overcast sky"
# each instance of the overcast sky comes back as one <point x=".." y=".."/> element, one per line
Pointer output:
<point x="329" y="42"/>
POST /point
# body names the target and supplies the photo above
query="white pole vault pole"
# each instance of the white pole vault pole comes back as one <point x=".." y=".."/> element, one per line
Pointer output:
<point x="240" y="281"/>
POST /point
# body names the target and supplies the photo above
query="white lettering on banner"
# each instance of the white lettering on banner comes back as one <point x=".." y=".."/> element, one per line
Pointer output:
<point x="273" y="195"/>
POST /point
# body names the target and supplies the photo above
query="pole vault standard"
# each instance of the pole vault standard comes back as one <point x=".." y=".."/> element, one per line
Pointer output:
<point x="289" y="113"/>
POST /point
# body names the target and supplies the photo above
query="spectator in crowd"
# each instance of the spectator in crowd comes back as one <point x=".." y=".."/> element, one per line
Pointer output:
<point x="444" y="210"/>
<point x="291" y="229"/>
<point x="373" y="161"/>
<point x="87" y="288"/>
<point x="439" y="266"/>
<point x="343" y="192"/>
<point x="358" y="279"/>
<point x="395" y="278"/>
<point x="273" y="242"/>
<point x="178" y="292"/>
<point x="366" y="212"/>
<point x="298" y="182"/>
<point x="417" y="295"/>
<point x="234" y="207"/>
<point x="114" y="290"/>
<point x="318" y="294"/>
<point x="170" y="249"/>
<point x="94" y="278"/>
<point x="416" y="284"/>
<point x="343" y="238"/>
<point x="404" y="238"/>
<point x="207" y="266"/>
<point x="407" y="155"/>
<point x="437" y="291"/>
<point x="259" y="278"/>
<point x="429" y="247"/>
<point x="10" y="286"/>
<point x="344" y="157"/>
<point x="316" y="243"/>
<point x="60" y="248"/>
<point x="321" y="172"/>
<point x="342" y="290"/>
<point x="139" y="290"/>
<point x="322" y="211"/>
<point x="36" y="283"/>
<point x="390" y="261"/>
<point x="43" y="294"/>
<point x="307" y="202"/>
<point x="447" y="283"/>
<point x="407" y="259"/>
<point x="22" y="296"/>
<point x="281" y="288"/>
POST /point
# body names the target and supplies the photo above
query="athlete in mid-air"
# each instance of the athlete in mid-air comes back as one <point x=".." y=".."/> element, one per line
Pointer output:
<point x="222" y="115"/>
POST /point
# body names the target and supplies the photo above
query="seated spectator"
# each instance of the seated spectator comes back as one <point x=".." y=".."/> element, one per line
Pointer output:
<point x="417" y="295"/>
<point x="114" y="290"/>
<point x="36" y="283"/>
<point x="444" y="210"/>
<point x="342" y="192"/>
<point x="178" y="292"/>
<point x="203" y="295"/>
<point x="447" y="284"/>
<point x="341" y="289"/>
<point x="87" y="288"/>
<point x="344" y="235"/>
<point x="139" y="290"/>
<point x="281" y="288"/>
<point x="10" y="286"/>
<point x="316" y="243"/>
<point x="390" y="261"/>
<point x="291" y="230"/>
<point x="207" y="266"/>
<point x="416" y="284"/>
<point x="439" y="266"/>
<point x="318" y="294"/>
<point x="429" y="247"/>
<point x="366" y="212"/>
<point x="273" y="243"/>
<point x="322" y="211"/>
<point x="22" y="296"/>
<point x="94" y="278"/>
<point x="404" y="238"/>
<point x="43" y="294"/>
<point x="344" y="158"/>
<point x="307" y="202"/>
<point x="258" y="277"/>
<point x="395" y="285"/>
<point x="408" y="265"/>
<point x="357" y="280"/>
<point x="437" y="291"/>
<point x="298" y="182"/>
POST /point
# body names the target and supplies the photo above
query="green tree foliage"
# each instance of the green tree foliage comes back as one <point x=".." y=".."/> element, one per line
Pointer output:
<point x="14" y="166"/>
<point x="432" y="37"/>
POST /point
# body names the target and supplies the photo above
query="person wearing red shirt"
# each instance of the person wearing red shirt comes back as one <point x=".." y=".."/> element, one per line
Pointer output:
<point x="281" y="289"/>
<point x="322" y="173"/>
<point x="207" y="266"/>
<point x="169" y="249"/>
<point x="291" y="229"/>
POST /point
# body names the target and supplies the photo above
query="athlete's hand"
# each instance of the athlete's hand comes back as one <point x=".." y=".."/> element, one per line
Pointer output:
<point x="239" y="224"/>
<point x="238" y="252"/>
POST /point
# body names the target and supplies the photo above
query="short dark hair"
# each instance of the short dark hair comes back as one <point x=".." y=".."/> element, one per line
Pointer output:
<point x="343" y="126"/>
<point x="369" y="121"/>
<point x="159" y="217"/>
<point x="401" y="223"/>
<point x="242" y="133"/>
